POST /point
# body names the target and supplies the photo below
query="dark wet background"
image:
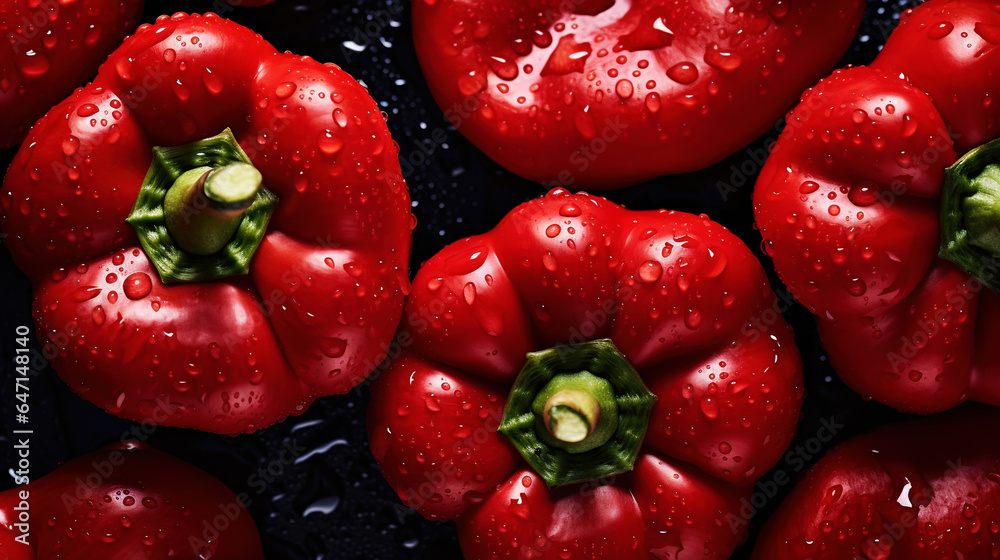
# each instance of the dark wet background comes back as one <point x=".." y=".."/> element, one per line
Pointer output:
<point x="334" y="503"/>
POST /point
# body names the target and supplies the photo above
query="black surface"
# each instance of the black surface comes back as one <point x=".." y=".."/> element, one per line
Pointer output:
<point x="456" y="192"/>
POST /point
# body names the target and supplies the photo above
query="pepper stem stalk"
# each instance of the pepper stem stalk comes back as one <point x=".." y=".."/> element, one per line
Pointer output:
<point x="571" y="415"/>
<point x="204" y="206"/>
<point x="970" y="214"/>
<point x="577" y="412"/>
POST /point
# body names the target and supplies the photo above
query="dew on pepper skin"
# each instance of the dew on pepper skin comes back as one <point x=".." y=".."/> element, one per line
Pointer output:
<point x="98" y="315"/>
<point x="723" y="60"/>
<point x="285" y="90"/>
<point x="808" y="187"/>
<point x="137" y="286"/>
<point x="70" y="145"/>
<point x="568" y="57"/>
<point x="653" y="101"/>
<point x="87" y="109"/>
<point x="333" y="347"/>
<point x="503" y="67"/>
<point x="85" y="293"/>
<point x="213" y="83"/>
<point x="692" y="319"/>
<point x="650" y="271"/>
<point x="909" y="125"/>
<point x="329" y="143"/>
<point x="863" y="195"/>
<point x="549" y="262"/>
<point x="709" y="407"/>
<point x="624" y="88"/>
<point x="683" y="73"/>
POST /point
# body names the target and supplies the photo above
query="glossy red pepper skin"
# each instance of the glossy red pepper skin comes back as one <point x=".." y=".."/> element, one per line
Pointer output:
<point x="675" y="293"/>
<point x="53" y="47"/>
<point x="617" y="93"/>
<point x="128" y="501"/>
<point x="325" y="290"/>
<point x="919" y="490"/>
<point x="849" y="203"/>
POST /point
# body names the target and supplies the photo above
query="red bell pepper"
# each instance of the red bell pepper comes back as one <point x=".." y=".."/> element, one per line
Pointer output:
<point x="926" y="489"/>
<point x="549" y="456"/>
<point x="857" y="201"/>
<point x="227" y="322"/>
<point x="599" y="94"/>
<point x="54" y="46"/>
<point x="126" y="501"/>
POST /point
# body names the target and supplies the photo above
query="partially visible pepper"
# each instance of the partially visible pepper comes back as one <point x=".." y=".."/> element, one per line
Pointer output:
<point x="126" y="501"/>
<point x="873" y="228"/>
<point x="53" y="46"/>
<point x="926" y="489"/>
<point x="602" y="94"/>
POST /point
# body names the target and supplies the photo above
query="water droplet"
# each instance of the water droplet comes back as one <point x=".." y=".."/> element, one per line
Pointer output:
<point x="650" y="271"/>
<point x="570" y="210"/>
<point x="653" y="102"/>
<point x="213" y="83"/>
<point x="909" y="125"/>
<point x="857" y="287"/>
<point x="333" y="347"/>
<point x="469" y="293"/>
<point x="85" y="293"/>
<point x="585" y="125"/>
<point x="503" y="67"/>
<point x="32" y="64"/>
<point x="624" y="88"/>
<point x="137" y="285"/>
<point x="549" y="262"/>
<point x="98" y="315"/>
<point x="330" y="143"/>
<point x="169" y="55"/>
<point x="683" y="73"/>
<point x="568" y="56"/>
<point x="808" y="187"/>
<point x="70" y="145"/>
<point x="716" y="264"/>
<point x="864" y="194"/>
<point x="285" y="90"/>
<point x="87" y="109"/>
<point x="859" y="116"/>
<point x="692" y="319"/>
<point x="650" y="33"/>
<point x="709" y="407"/>
<point x="432" y="404"/>
<point x="940" y="30"/>
<point x="723" y="60"/>
<point x="553" y="230"/>
<point x="471" y="84"/>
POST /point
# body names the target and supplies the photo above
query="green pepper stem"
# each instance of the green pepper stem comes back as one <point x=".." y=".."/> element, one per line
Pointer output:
<point x="572" y="415"/>
<point x="970" y="214"/>
<point x="204" y="206"/>
<point x="577" y="412"/>
<point x="982" y="210"/>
